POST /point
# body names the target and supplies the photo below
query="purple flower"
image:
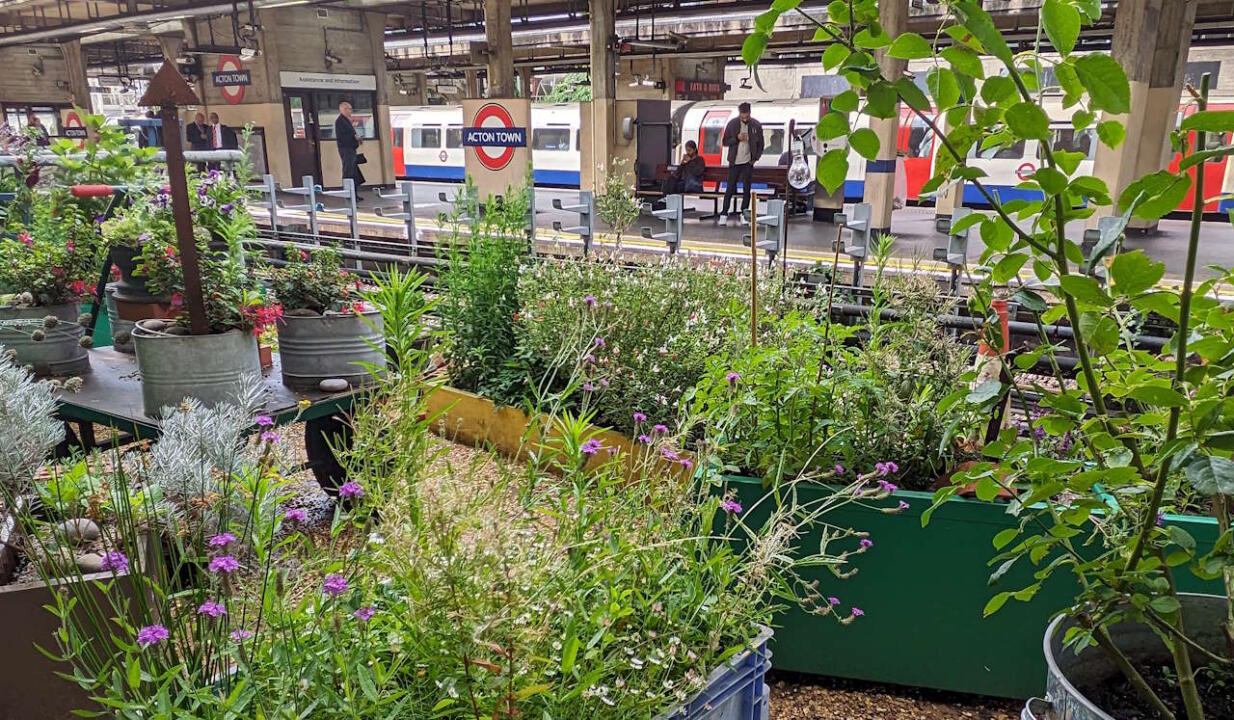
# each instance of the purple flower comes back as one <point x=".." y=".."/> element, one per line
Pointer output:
<point x="887" y="486"/>
<point x="365" y="614"/>
<point x="886" y="468"/>
<point x="732" y="378"/>
<point x="599" y="342"/>
<point x="687" y="463"/>
<point x="903" y="505"/>
<point x="730" y="506"/>
<point x="152" y="635"/>
<point x="351" y="489"/>
<point x="264" y="421"/>
<point x="590" y="359"/>
<point x="669" y="454"/>
<point x="858" y="612"/>
<point x="212" y="608"/>
<point x="589" y="301"/>
<point x="644" y="439"/>
<point x="603" y="382"/>
<point x="227" y="209"/>
<point x="224" y="564"/>
<point x="592" y="446"/>
<point x="295" y="515"/>
<point x="334" y="584"/>
<point x="115" y="561"/>
<point x="222" y="540"/>
<point x="866" y="543"/>
<point x="240" y="635"/>
<point x="1160" y="519"/>
<point x="659" y="428"/>
<point x="639" y="417"/>
<point x="588" y="387"/>
<point x="839" y="469"/>
<point x="833" y="600"/>
<point x="269" y="436"/>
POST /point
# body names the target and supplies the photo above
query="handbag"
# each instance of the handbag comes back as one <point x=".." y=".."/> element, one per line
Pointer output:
<point x="360" y="159"/>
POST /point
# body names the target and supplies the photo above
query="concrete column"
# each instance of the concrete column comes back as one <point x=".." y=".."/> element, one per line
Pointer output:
<point x="471" y="87"/>
<point x="524" y="83"/>
<point x="880" y="180"/>
<point x="500" y="48"/>
<point x="1151" y="40"/>
<point x="75" y="60"/>
<point x="600" y="127"/>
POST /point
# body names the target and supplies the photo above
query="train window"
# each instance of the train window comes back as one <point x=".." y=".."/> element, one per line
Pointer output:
<point x="1014" y="151"/>
<point x="920" y="139"/>
<point x="426" y="137"/>
<point x="363" y="115"/>
<point x="454" y="137"/>
<point x="1071" y="140"/>
<point x="775" y="142"/>
<point x="711" y="139"/>
<point x="553" y="139"/>
<point x="806" y="131"/>
<point x="398" y="137"/>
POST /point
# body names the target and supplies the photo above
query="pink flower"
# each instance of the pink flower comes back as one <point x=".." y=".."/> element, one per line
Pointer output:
<point x="659" y="428"/>
<point x="639" y="417"/>
<point x="25" y="239"/>
<point x="365" y="614"/>
<point x="115" y="561"/>
<point x="351" y="489"/>
<point x="687" y="463"/>
<point x="644" y="439"/>
<point x="264" y="421"/>
<point x="592" y="446"/>
<point x="222" y="540"/>
<point x="858" y="612"/>
<point x="887" y="486"/>
<point x="224" y="564"/>
<point x="270" y="436"/>
<point x="240" y="635"/>
<point x="152" y="635"/>
<point x="903" y="505"/>
<point x="833" y="601"/>
<point x="839" y="469"/>
<point x="589" y="301"/>
<point x="733" y="378"/>
<point x="866" y="543"/>
<point x="731" y="506"/>
<point x="295" y="515"/>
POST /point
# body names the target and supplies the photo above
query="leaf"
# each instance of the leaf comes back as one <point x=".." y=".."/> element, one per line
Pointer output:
<point x="753" y="48"/>
<point x="1100" y="332"/>
<point x="1085" y="290"/>
<point x="910" y="46"/>
<point x="1111" y="133"/>
<point x="766" y="22"/>
<point x="1030" y="300"/>
<point x="1027" y="120"/>
<point x="911" y="94"/>
<point x="1062" y="25"/>
<point x="995" y="604"/>
<point x="1134" y="272"/>
<point x="832" y="169"/>
<point x="1211" y="475"/>
<point x="1005" y="536"/>
<point x="1069" y="81"/>
<point x="943" y="87"/>
<point x="964" y="61"/>
<point x="996" y="89"/>
<point x="1204" y="156"/>
<point x="881" y="99"/>
<point x="832" y="126"/>
<point x="1211" y="121"/>
<point x="783" y="6"/>
<point x="1081" y="119"/>
<point x="845" y="102"/>
<point x="985" y="392"/>
<point x="568" y="654"/>
<point x="835" y="55"/>
<point x="1158" y="396"/>
<point x="1106" y="83"/>
<point x="865" y="142"/>
<point x="1165" y="604"/>
<point x="1008" y="267"/>
<point x="1052" y="181"/>
<point x="978" y="22"/>
<point x="365" y="676"/>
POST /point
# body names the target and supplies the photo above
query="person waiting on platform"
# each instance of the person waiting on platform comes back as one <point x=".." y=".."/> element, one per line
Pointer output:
<point x="222" y="137"/>
<point x="744" y="139"/>
<point x="198" y="134"/>
<point x="688" y="177"/>
<point x="347" y="137"/>
<point x="36" y="126"/>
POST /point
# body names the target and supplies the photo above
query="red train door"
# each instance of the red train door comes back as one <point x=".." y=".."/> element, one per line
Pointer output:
<point x="400" y="169"/>
<point x="916" y="144"/>
<point x="710" y="140"/>
<point x="1214" y="169"/>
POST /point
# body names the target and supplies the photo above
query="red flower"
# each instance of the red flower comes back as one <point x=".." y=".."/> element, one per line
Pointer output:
<point x="177" y="300"/>
<point x="115" y="273"/>
<point x="79" y="287"/>
<point x="303" y="256"/>
<point x="25" y="239"/>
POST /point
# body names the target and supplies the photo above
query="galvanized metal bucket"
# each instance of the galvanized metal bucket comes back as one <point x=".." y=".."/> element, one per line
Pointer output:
<point x="342" y="346"/>
<point x="121" y="330"/>
<point x="59" y="352"/>
<point x="1066" y="671"/>
<point x="213" y="369"/>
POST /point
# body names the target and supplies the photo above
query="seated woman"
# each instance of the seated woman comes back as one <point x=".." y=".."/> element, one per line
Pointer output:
<point x="688" y="177"/>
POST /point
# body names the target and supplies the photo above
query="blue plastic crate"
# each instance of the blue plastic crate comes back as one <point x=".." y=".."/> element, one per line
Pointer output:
<point x="735" y="691"/>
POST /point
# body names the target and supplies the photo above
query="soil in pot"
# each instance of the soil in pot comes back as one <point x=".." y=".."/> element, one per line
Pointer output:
<point x="1118" y="699"/>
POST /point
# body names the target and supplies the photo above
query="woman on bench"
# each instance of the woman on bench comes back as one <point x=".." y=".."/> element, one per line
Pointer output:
<point x="688" y="177"/>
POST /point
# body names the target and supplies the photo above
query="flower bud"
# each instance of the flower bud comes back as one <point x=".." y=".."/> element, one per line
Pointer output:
<point x="51" y="321"/>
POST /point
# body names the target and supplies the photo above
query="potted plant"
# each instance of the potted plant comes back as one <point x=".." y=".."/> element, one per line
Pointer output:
<point x="1151" y="431"/>
<point x="215" y="367"/>
<point x="146" y="220"/>
<point x="328" y="334"/>
<point x="47" y="265"/>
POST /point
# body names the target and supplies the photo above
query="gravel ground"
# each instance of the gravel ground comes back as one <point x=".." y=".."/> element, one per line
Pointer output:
<point x="799" y="697"/>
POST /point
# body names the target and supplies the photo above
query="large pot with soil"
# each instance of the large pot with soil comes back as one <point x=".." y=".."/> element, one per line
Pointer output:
<point x="174" y="365"/>
<point x="1088" y="686"/>
<point x="336" y="346"/>
<point x="49" y="339"/>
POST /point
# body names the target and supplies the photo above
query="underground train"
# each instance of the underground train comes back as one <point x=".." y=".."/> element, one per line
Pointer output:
<point x="428" y="145"/>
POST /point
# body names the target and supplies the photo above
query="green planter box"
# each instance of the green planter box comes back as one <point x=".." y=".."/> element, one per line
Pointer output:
<point x="923" y="591"/>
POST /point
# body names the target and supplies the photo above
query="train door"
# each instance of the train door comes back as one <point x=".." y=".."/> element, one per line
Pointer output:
<point x="1214" y="169"/>
<point x="302" y="140"/>
<point x="917" y="146"/>
<point x="710" y="141"/>
<point x="400" y="168"/>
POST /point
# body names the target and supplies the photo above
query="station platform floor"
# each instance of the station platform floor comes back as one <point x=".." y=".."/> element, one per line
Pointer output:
<point x="809" y="241"/>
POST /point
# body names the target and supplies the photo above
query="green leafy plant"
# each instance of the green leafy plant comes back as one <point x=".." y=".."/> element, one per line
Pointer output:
<point x="54" y="257"/>
<point x="1145" y="425"/>
<point x="315" y="282"/>
<point x="617" y="205"/>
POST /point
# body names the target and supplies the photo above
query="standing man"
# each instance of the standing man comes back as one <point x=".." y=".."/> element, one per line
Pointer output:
<point x="224" y="138"/>
<point x="744" y="139"/>
<point x="42" y="136"/>
<point x="348" y="139"/>
<point x="198" y="134"/>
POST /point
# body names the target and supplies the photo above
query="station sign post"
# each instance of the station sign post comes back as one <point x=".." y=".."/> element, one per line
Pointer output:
<point x="497" y="143"/>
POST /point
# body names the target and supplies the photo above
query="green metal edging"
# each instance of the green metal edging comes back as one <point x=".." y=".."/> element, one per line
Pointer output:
<point x="923" y="591"/>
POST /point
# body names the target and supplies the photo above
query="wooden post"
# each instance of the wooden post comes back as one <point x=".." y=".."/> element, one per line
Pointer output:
<point x="753" y="270"/>
<point x="169" y="91"/>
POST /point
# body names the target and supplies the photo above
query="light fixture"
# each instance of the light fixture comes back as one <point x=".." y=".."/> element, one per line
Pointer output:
<point x="799" y="173"/>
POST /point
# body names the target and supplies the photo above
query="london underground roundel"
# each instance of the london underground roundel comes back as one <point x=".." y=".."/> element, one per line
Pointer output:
<point x="494" y="136"/>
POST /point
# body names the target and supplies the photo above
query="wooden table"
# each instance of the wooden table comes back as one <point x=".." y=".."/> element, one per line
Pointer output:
<point x="111" y="396"/>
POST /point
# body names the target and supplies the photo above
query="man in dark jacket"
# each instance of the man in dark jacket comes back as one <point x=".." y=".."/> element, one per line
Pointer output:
<point x="745" y="142"/>
<point x="198" y="134"/>
<point x="222" y="137"/>
<point x="348" y="140"/>
<point x="688" y="177"/>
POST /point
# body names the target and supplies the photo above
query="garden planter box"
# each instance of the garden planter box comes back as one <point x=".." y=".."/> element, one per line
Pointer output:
<point x="735" y="691"/>
<point x="30" y="688"/>
<point x="923" y="591"/>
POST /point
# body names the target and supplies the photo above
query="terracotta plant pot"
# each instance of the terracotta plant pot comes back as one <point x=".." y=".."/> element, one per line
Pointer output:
<point x="266" y="355"/>
<point x="134" y="311"/>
